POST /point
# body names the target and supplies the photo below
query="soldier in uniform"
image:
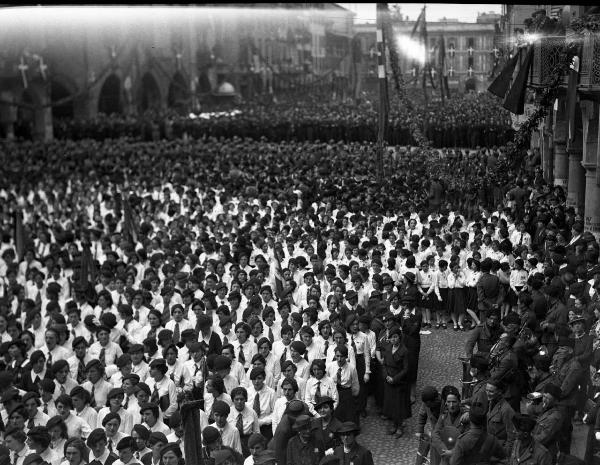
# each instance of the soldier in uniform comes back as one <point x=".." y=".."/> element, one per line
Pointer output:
<point x="499" y="414"/>
<point x="504" y="366"/>
<point x="480" y="374"/>
<point x="526" y="450"/>
<point x="429" y="412"/>
<point x="549" y="423"/>
<point x="539" y="374"/>
<point x="475" y="446"/>
<point x="484" y="336"/>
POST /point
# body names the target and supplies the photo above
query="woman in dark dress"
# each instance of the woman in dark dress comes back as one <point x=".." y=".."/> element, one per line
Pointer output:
<point x="411" y="327"/>
<point x="396" y="396"/>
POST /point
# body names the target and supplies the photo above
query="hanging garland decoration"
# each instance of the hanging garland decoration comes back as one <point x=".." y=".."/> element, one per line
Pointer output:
<point x="589" y="23"/>
<point x="549" y="94"/>
<point x="399" y="85"/>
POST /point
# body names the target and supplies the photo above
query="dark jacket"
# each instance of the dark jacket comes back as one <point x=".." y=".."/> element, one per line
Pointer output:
<point x="357" y="456"/>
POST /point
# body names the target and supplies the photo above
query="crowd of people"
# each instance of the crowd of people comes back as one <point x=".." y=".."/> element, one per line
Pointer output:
<point x="472" y="121"/>
<point x="229" y="301"/>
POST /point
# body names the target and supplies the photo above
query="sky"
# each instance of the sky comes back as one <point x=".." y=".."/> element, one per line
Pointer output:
<point x="467" y="12"/>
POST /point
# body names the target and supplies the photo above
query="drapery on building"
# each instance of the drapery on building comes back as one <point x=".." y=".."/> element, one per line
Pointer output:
<point x="570" y="158"/>
<point x="59" y="65"/>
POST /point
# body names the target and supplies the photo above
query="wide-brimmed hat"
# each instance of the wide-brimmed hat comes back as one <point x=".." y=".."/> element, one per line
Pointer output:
<point x="348" y="427"/>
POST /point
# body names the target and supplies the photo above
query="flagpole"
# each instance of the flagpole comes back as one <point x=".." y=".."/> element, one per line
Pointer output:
<point x="383" y="91"/>
<point x="426" y="68"/>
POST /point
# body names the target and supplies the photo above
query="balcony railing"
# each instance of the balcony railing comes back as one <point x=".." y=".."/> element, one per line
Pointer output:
<point x="546" y="60"/>
<point x="589" y="79"/>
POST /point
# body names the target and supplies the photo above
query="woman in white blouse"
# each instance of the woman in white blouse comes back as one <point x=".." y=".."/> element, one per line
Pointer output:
<point x="319" y="385"/>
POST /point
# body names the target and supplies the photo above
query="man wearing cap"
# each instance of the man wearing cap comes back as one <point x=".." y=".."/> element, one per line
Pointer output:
<point x="429" y="412"/>
<point x="500" y="414"/>
<point x="305" y="447"/>
<point x="38" y="441"/>
<point x="475" y="445"/>
<point x="484" y="336"/>
<point x="351" y="451"/>
<point x="526" y="450"/>
<point x="548" y="426"/>
<point x="97" y="442"/>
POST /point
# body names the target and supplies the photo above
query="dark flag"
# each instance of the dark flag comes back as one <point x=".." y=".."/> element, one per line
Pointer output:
<point x="515" y="99"/>
<point x="499" y="87"/>
<point x="88" y="267"/>
<point x="417" y="23"/>
<point x="129" y="226"/>
<point x="19" y="235"/>
<point x="572" y="95"/>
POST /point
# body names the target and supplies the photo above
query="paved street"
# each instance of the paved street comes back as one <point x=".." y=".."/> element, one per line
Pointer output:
<point x="438" y="366"/>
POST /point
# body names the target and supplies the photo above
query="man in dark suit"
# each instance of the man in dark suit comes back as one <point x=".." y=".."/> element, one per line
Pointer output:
<point x="489" y="290"/>
<point x="97" y="442"/>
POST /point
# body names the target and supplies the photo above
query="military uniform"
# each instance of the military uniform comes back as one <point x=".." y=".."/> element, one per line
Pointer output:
<point x="547" y="428"/>
<point x="476" y="447"/>
<point x="535" y="454"/>
<point x="499" y="424"/>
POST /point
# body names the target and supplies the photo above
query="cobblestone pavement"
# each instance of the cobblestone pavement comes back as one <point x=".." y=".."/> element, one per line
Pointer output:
<point x="438" y="366"/>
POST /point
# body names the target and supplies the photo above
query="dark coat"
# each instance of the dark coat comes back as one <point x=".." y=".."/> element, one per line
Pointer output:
<point x="357" y="456"/>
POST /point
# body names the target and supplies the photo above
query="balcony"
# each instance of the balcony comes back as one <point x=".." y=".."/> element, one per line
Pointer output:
<point x="589" y="80"/>
<point x="546" y="59"/>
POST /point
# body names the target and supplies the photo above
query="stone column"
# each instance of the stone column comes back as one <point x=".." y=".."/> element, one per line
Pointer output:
<point x="576" y="183"/>
<point x="590" y="119"/>
<point x="561" y="160"/>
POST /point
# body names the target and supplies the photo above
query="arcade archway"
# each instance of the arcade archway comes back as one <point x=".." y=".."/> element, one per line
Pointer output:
<point x="150" y="93"/>
<point x="109" y="100"/>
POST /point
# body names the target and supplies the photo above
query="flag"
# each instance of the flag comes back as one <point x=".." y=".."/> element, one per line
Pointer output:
<point x="88" y="272"/>
<point x="129" y="226"/>
<point x="417" y="23"/>
<point x="515" y="99"/>
<point x="19" y="235"/>
<point x="499" y="87"/>
<point x="572" y="96"/>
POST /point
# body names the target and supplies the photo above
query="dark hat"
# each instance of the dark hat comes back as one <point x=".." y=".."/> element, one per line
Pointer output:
<point x="127" y="443"/>
<point x="298" y="346"/>
<point x="576" y="319"/>
<point x="429" y="393"/>
<point x="524" y="422"/>
<point x="410" y="276"/>
<point x="111" y="416"/>
<point x="96" y="435"/>
<point x="265" y="457"/>
<point x="32" y="459"/>
<point x="109" y="319"/>
<point x="302" y="422"/>
<point x="94" y="364"/>
<point x="204" y="321"/>
<point x="136" y="348"/>
<point x="295" y="406"/>
<point x="197" y="347"/>
<point x="324" y="400"/>
<point x="351" y="294"/>
<point x="210" y="434"/>
<point x="114" y="392"/>
<point x="348" y="427"/>
<point x="222" y="362"/>
<point x="171" y="447"/>
<point x="157" y="436"/>
<point x="553" y="390"/>
<point x="221" y="407"/>
<point x="158" y="363"/>
<point x="256" y="439"/>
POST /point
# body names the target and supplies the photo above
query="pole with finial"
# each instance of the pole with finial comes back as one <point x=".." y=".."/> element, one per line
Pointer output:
<point x="383" y="90"/>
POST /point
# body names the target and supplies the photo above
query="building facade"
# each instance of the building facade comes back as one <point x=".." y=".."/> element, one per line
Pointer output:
<point x="569" y="142"/>
<point x="78" y="62"/>
<point x="469" y="51"/>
